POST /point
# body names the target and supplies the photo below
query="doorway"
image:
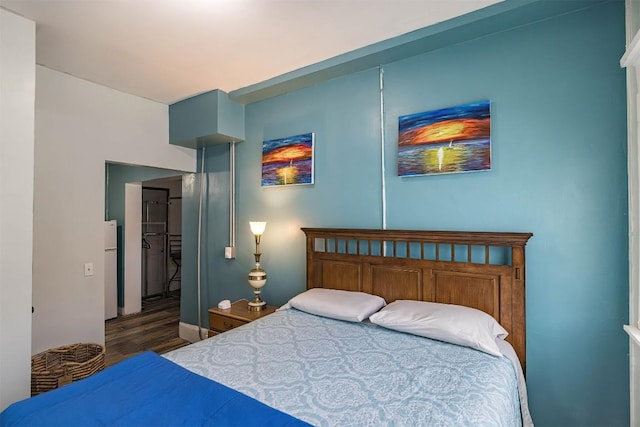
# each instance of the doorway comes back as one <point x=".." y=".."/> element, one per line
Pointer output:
<point x="161" y="237"/>
<point x="123" y="203"/>
<point x="155" y="217"/>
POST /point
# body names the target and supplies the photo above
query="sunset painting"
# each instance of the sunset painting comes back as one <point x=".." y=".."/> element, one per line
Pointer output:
<point x="449" y="140"/>
<point x="288" y="161"/>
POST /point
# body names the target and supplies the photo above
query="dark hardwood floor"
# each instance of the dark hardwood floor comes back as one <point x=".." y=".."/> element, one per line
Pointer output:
<point x="156" y="329"/>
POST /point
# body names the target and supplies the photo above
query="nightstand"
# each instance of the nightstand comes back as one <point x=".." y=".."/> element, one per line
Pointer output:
<point x="238" y="315"/>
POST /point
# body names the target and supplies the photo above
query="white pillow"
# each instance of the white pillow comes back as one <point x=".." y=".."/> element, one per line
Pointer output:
<point x="445" y="322"/>
<point x="341" y="305"/>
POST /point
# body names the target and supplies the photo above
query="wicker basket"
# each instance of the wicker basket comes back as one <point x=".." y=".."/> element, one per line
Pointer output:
<point x="59" y="366"/>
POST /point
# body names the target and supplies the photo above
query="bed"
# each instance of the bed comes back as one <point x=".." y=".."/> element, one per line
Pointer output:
<point x="295" y="367"/>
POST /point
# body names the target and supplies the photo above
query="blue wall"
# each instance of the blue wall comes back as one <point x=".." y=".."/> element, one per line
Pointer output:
<point x="559" y="171"/>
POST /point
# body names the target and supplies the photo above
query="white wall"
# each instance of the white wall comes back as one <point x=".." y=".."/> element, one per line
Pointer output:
<point x="79" y="126"/>
<point x="132" y="248"/>
<point x="17" y="92"/>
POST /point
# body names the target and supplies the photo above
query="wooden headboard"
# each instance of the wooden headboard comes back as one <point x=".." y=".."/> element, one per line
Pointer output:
<point x="483" y="270"/>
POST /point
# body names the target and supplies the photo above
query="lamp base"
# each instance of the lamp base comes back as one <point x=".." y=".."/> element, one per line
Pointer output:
<point x="257" y="306"/>
<point x="257" y="279"/>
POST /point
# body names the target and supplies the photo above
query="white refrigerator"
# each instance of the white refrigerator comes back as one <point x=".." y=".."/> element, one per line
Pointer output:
<point x="110" y="269"/>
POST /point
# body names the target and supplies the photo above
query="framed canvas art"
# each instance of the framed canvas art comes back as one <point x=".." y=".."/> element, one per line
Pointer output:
<point x="448" y="140"/>
<point x="288" y="161"/>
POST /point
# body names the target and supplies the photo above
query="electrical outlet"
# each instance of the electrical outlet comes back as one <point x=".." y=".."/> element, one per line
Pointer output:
<point x="88" y="269"/>
<point x="230" y="252"/>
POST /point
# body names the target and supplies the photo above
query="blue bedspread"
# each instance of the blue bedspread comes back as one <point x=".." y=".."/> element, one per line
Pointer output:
<point x="146" y="390"/>
<point x="341" y="374"/>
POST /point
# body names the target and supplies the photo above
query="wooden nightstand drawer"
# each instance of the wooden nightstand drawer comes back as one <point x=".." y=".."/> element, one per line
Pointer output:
<point x="222" y="320"/>
<point x="223" y="323"/>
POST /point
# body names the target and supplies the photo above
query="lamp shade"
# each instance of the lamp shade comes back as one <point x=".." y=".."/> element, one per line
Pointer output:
<point x="257" y="227"/>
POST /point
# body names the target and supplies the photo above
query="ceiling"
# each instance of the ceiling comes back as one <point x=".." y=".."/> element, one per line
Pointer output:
<point x="169" y="50"/>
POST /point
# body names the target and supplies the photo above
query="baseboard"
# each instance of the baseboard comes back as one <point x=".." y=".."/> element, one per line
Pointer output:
<point x="190" y="332"/>
<point x="634" y="373"/>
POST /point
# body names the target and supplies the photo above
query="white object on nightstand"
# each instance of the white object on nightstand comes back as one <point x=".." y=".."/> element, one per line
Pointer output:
<point x="224" y="304"/>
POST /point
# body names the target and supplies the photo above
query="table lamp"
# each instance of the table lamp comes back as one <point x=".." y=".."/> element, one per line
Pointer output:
<point x="257" y="276"/>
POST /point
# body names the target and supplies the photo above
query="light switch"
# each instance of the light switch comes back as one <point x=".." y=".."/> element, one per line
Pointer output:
<point x="88" y="269"/>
